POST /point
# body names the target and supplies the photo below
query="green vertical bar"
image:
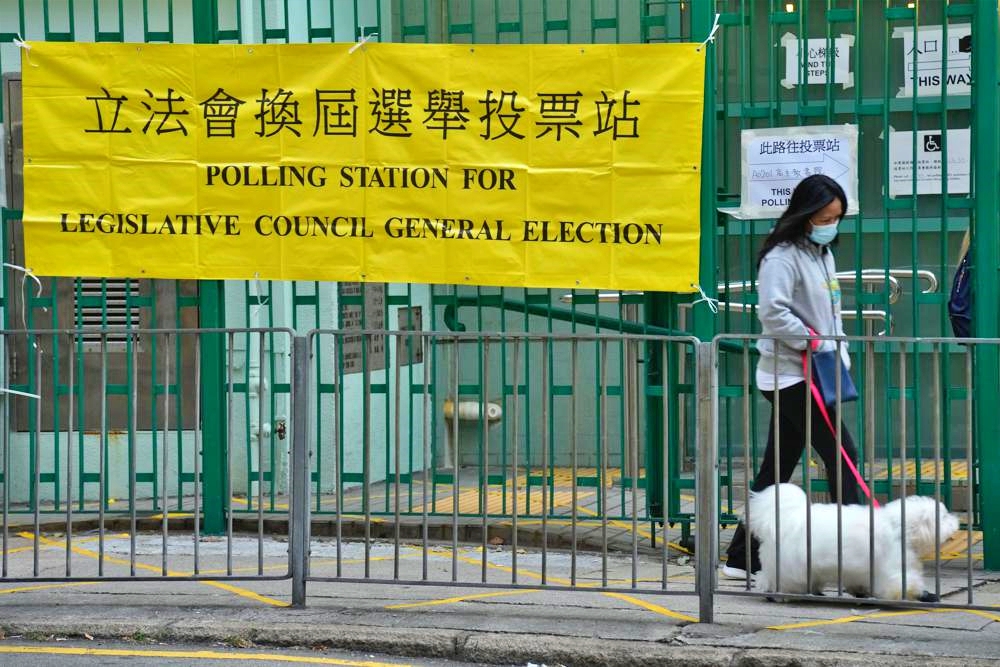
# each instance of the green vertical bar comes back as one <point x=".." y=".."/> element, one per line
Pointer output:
<point x="702" y="19"/>
<point x="658" y="306"/>
<point x="986" y="259"/>
<point x="212" y="314"/>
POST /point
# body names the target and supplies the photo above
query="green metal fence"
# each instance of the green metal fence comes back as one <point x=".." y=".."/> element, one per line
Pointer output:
<point x="898" y="238"/>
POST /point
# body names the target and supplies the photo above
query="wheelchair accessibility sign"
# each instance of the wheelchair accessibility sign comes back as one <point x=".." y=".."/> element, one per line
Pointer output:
<point x="927" y="148"/>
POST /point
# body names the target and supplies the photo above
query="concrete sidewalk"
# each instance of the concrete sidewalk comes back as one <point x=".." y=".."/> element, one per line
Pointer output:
<point x="474" y="624"/>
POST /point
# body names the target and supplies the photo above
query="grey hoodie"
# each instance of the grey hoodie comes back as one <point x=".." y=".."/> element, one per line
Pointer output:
<point x="797" y="286"/>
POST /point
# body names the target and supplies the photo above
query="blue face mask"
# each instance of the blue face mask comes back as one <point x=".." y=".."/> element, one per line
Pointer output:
<point x="823" y="234"/>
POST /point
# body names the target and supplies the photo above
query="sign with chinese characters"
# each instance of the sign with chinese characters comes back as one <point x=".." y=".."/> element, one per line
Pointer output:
<point x="521" y="165"/>
<point x="819" y="53"/>
<point x="774" y="160"/>
<point x="362" y="351"/>
<point x="409" y="349"/>
<point x="929" y="148"/>
<point x="931" y="58"/>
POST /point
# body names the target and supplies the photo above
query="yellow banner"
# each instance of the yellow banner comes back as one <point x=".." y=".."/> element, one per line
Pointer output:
<point x="536" y="166"/>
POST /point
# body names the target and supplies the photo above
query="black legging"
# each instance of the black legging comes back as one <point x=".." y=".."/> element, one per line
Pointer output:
<point x="792" y="432"/>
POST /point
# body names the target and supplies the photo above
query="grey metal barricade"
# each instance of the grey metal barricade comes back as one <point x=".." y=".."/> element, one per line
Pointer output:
<point x="488" y="460"/>
<point x="105" y="458"/>
<point x="913" y="428"/>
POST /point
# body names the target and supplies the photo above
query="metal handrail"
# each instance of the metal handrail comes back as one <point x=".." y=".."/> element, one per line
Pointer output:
<point x="867" y="276"/>
<point x="869" y="315"/>
<point x="603" y="297"/>
<point x="933" y="284"/>
<point x="920" y="274"/>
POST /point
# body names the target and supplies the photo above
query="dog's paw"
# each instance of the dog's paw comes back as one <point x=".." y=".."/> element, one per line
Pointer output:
<point x="927" y="596"/>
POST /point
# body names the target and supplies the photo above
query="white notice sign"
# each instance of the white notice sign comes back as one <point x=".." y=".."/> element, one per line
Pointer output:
<point x="926" y="57"/>
<point x="930" y="147"/>
<point x="819" y="52"/>
<point x="775" y="160"/>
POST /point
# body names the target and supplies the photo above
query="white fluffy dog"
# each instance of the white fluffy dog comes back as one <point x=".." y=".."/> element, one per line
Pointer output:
<point x="919" y="534"/>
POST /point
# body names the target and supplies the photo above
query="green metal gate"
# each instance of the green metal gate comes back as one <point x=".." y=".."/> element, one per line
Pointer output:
<point x="899" y="254"/>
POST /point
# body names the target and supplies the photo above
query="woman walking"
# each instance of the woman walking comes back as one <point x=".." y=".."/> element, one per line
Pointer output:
<point x="797" y="290"/>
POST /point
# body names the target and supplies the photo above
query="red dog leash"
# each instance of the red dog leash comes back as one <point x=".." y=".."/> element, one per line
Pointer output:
<point x="826" y="417"/>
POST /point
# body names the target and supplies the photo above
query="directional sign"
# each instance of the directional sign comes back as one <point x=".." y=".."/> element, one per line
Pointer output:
<point x="775" y="160"/>
<point x="932" y="57"/>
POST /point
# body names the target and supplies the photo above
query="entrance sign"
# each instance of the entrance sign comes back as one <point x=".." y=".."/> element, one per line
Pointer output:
<point x="929" y="149"/>
<point x="927" y="54"/>
<point x="774" y="161"/>
<point x="536" y="166"/>
<point x="819" y="54"/>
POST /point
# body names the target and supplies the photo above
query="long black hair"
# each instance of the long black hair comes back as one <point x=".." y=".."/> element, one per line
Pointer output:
<point x="810" y="195"/>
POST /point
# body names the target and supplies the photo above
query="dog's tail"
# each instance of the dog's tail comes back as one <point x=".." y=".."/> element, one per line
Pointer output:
<point x="763" y="519"/>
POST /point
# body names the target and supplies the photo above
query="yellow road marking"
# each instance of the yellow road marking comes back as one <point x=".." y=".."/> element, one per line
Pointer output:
<point x="652" y="607"/>
<point x="244" y="592"/>
<point x="848" y="619"/>
<point x="884" y="614"/>
<point x="639" y="531"/>
<point x="984" y="614"/>
<point x="196" y="655"/>
<point x="460" y="598"/>
<point x="151" y="568"/>
<point x="41" y="587"/>
<point x="504" y="568"/>
<point x="445" y="552"/>
<point x="80" y="540"/>
<point x="312" y="561"/>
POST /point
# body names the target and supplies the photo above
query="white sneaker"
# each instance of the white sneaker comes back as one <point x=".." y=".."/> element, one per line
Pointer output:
<point x="737" y="573"/>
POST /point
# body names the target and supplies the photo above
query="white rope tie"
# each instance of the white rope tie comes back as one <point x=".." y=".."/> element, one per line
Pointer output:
<point x="259" y="288"/>
<point x="711" y="35"/>
<point x="26" y="273"/>
<point x="713" y="304"/>
<point x="364" y="40"/>
<point x="21" y="44"/>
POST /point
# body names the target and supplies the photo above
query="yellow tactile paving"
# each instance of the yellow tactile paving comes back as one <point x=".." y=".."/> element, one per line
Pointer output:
<point x="928" y="470"/>
<point x="959" y="545"/>
<point x="501" y="502"/>
<point x="500" y="499"/>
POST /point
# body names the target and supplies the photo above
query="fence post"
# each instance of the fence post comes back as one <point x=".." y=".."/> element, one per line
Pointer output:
<point x="298" y="521"/>
<point x="986" y="105"/>
<point x="212" y="315"/>
<point x="707" y="471"/>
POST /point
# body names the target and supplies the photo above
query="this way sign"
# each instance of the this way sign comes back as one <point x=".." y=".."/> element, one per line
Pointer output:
<point x="931" y="57"/>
